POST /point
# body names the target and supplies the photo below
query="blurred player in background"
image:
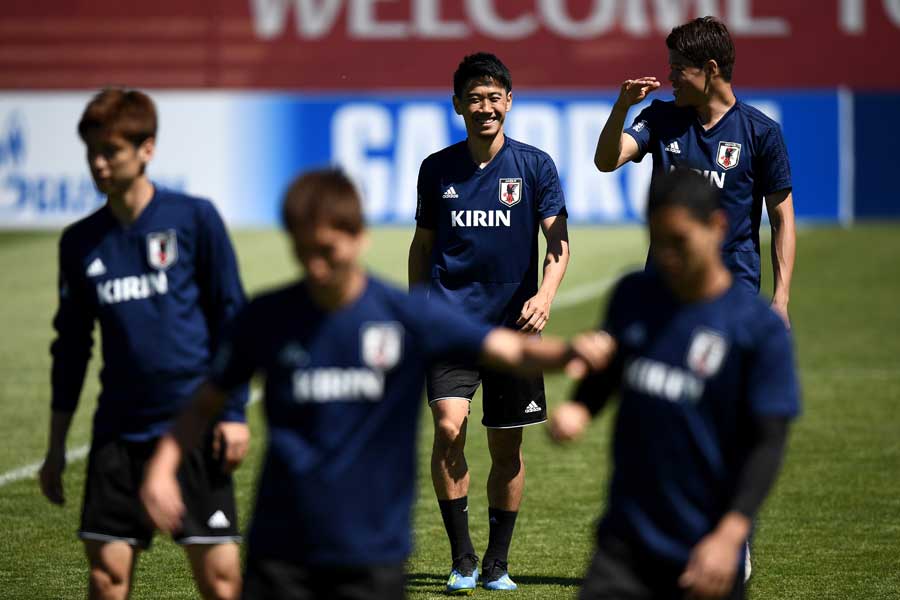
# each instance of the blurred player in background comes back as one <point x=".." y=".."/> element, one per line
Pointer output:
<point x="157" y="271"/>
<point x="481" y="203"/>
<point x="708" y="388"/>
<point x="739" y="149"/>
<point x="344" y="356"/>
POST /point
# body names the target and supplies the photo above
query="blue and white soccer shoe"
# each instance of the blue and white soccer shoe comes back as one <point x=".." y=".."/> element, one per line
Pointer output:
<point x="496" y="577"/>
<point x="463" y="576"/>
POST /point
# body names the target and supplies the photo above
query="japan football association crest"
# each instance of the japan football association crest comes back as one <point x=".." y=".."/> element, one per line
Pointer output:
<point x="729" y="154"/>
<point x="382" y="344"/>
<point x="707" y="352"/>
<point x="162" y="249"/>
<point x="510" y="191"/>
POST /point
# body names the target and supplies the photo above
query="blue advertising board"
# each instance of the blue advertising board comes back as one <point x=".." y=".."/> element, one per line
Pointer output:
<point x="242" y="149"/>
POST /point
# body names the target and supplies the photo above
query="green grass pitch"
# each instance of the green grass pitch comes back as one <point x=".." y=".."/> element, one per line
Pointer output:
<point x="830" y="530"/>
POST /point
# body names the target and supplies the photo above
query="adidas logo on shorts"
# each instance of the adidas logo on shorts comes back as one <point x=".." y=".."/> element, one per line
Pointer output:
<point x="532" y="407"/>
<point x="218" y="520"/>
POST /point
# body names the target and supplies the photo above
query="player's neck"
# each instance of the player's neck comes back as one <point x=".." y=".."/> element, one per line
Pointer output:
<point x="714" y="282"/>
<point x="128" y="206"/>
<point x="483" y="150"/>
<point x="333" y="298"/>
<point x="720" y="101"/>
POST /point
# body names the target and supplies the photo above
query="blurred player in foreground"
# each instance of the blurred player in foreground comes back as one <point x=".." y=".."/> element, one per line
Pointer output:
<point x="157" y="271"/>
<point x="344" y="357"/>
<point x="735" y="146"/>
<point x="708" y="388"/>
<point x="481" y="203"/>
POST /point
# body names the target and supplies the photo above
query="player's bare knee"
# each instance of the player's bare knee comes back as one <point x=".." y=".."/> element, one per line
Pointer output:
<point x="505" y="445"/>
<point x="221" y="586"/>
<point x="106" y="584"/>
<point x="449" y="436"/>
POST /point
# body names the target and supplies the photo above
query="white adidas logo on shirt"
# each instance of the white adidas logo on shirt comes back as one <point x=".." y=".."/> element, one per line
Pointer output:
<point x="218" y="520"/>
<point x="673" y="148"/>
<point x="96" y="268"/>
<point x="451" y="193"/>
<point x="532" y="407"/>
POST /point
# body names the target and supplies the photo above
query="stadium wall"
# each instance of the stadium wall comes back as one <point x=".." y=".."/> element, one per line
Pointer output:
<point x="242" y="148"/>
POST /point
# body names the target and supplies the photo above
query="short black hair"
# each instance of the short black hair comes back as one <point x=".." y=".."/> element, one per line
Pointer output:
<point x="685" y="188"/>
<point x="480" y="67"/>
<point x="703" y="39"/>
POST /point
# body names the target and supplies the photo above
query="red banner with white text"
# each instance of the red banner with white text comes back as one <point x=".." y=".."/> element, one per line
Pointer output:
<point x="416" y="44"/>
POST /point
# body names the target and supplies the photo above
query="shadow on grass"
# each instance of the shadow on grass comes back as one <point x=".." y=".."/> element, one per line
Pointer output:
<point x="437" y="582"/>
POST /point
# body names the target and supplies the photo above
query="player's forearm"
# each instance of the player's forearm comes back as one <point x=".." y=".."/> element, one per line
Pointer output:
<point x="60" y="421"/>
<point x="555" y="265"/>
<point x="507" y="350"/>
<point x="784" y="251"/>
<point x="191" y="424"/>
<point x="758" y="475"/>
<point x="417" y="264"/>
<point x="609" y="144"/>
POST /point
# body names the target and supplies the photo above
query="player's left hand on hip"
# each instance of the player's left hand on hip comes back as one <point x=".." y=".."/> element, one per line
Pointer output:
<point x="712" y="567"/>
<point x="535" y="314"/>
<point x="231" y="442"/>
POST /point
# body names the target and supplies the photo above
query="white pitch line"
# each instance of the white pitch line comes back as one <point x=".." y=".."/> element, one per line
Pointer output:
<point x="571" y="297"/>
<point x="72" y="455"/>
<point x="583" y="293"/>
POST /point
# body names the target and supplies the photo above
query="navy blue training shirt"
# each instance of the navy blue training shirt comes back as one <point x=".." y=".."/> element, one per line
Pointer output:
<point x="692" y="377"/>
<point x="743" y="155"/>
<point x="163" y="289"/>
<point x="343" y="391"/>
<point x="486" y="223"/>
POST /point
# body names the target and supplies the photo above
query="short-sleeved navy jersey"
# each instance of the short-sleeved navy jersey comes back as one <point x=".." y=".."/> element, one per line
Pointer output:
<point x="163" y="290"/>
<point x="486" y="222"/>
<point x="343" y="391"/>
<point x="744" y="155"/>
<point x="692" y="377"/>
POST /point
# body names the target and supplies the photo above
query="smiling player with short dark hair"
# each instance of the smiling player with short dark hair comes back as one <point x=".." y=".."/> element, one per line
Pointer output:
<point x="481" y="203"/>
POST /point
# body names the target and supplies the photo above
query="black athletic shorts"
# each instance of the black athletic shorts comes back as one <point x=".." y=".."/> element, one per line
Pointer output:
<point x="509" y="400"/>
<point x="112" y="509"/>
<point x="618" y="571"/>
<point x="273" y="579"/>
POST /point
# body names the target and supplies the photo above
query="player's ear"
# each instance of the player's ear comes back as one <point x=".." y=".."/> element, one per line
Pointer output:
<point x="147" y="149"/>
<point x="711" y="68"/>
<point x="364" y="241"/>
<point x="508" y="101"/>
<point x="456" y="107"/>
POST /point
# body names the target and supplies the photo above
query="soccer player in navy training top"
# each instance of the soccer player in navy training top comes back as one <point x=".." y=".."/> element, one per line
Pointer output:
<point x="157" y="271"/>
<point x="739" y="149"/>
<point x="708" y="388"/>
<point x="481" y="203"/>
<point x="344" y="356"/>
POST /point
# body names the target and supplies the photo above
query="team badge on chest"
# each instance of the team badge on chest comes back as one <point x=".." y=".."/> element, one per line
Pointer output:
<point x="707" y="352"/>
<point x="510" y="191"/>
<point x="162" y="249"/>
<point x="728" y="155"/>
<point x="382" y="344"/>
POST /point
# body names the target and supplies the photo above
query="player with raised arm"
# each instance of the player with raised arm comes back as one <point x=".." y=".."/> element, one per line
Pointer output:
<point x="707" y="390"/>
<point x="706" y="128"/>
<point x="344" y="356"/>
<point x="481" y="203"/>
<point x="157" y="271"/>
